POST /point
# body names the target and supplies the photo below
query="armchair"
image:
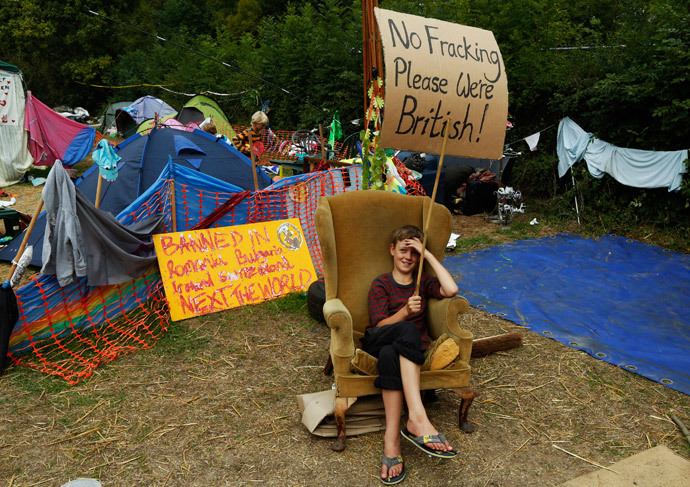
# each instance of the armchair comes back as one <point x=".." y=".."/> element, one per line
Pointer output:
<point x="354" y="231"/>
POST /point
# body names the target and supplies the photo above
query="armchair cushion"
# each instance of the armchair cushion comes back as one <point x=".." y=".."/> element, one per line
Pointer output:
<point x="364" y="364"/>
<point x="441" y="354"/>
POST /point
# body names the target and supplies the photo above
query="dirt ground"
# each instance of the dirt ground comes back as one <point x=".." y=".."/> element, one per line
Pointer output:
<point x="214" y="404"/>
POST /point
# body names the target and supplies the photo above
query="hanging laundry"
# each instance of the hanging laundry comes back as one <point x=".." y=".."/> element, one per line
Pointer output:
<point x="632" y="167"/>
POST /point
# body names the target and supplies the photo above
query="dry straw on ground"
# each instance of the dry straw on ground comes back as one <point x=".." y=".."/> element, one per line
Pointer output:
<point x="214" y="404"/>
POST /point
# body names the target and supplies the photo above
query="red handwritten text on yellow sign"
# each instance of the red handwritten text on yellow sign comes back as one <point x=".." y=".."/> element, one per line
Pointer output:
<point x="211" y="270"/>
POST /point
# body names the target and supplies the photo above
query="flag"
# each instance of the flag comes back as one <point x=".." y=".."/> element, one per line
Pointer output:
<point x="336" y="129"/>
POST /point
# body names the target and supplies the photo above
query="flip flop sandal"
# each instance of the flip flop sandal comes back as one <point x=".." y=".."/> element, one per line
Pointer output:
<point x="421" y="442"/>
<point x="392" y="462"/>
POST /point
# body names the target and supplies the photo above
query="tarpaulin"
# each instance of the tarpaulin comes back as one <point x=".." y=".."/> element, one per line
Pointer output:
<point x="53" y="137"/>
<point x="622" y="301"/>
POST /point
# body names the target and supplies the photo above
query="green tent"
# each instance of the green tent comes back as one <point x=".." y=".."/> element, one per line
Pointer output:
<point x="109" y="117"/>
<point x="198" y="108"/>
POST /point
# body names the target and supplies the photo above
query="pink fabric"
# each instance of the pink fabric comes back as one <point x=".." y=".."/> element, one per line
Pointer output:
<point x="50" y="134"/>
<point x="174" y="123"/>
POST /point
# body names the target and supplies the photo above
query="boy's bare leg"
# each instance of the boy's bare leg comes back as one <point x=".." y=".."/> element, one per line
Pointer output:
<point x="417" y="423"/>
<point x="392" y="402"/>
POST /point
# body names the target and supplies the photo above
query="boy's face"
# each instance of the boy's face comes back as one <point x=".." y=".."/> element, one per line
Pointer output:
<point x="257" y="126"/>
<point x="405" y="257"/>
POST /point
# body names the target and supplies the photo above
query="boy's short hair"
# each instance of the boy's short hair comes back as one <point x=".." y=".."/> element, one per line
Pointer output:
<point x="260" y="117"/>
<point x="406" y="231"/>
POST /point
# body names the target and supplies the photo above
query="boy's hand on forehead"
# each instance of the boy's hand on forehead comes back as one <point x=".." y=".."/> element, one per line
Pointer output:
<point x="415" y="243"/>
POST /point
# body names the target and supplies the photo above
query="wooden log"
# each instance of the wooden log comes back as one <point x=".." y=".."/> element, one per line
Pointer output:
<point x="482" y="347"/>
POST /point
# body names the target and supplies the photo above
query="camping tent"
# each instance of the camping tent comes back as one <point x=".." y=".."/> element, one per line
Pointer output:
<point x="128" y="118"/>
<point x="168" y="121"/>
<point x="199" y="108"/>
<point x="15" y="158"/>
<point x="108" y="126"/>
<point x="143" y="157"/>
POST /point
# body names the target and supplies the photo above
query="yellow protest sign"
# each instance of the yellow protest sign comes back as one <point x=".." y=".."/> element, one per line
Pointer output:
<point x="211" y="270"/>
<point x="438" y="71"/>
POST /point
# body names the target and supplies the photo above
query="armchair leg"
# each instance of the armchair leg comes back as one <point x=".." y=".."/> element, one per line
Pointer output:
<point x="466" y="399"/>
<point x="341" y="405"/>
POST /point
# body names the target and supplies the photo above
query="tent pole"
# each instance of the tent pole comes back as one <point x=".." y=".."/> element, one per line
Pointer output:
<point x="25" y="240"/>
<point x="577" y="209"/>
<point x="172" y="205"/>
<point x="251" y="156"/>
<point x="431" y="206"/>
<point x="98" y="190"/>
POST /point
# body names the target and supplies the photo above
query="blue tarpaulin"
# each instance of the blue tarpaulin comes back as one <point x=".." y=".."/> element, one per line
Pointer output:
<point x="622" y="301"/>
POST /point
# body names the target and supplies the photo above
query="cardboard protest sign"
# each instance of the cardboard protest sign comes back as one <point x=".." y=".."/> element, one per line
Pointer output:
<point x="215" y="269"/>
<point x="438" y="71"/>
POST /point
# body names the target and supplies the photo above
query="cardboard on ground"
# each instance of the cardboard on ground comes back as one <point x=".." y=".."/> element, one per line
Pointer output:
<point x="211" y="270"/>
<point x="439" y="72"/>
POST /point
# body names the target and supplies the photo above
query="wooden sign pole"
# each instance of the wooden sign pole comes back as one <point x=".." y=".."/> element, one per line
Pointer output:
<point x="431" y="206"/>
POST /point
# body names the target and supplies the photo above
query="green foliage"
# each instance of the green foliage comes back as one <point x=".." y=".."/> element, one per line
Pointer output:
<point x="246" y="17"/>
<point x="314" y="52"/>
<point x="624" y="77"/>
<point x="373" y="155"/>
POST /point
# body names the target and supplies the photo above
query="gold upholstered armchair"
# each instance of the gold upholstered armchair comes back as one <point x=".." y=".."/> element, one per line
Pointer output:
<point x="354" y="232"/>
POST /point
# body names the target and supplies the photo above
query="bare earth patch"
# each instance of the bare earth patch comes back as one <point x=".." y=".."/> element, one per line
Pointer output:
<point x="213" y="404"/>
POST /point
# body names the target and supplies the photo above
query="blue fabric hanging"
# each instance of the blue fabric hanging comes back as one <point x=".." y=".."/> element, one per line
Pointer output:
<point x="632" y="167"/>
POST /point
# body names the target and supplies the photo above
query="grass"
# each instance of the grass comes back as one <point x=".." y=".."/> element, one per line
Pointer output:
<point x="213" y="402"/>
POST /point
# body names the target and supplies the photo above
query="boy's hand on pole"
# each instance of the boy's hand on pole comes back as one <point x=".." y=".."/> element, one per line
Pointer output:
<point x="414" y="305"/>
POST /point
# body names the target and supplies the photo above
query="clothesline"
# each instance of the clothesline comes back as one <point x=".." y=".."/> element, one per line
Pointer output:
<point x="532" y="139"/>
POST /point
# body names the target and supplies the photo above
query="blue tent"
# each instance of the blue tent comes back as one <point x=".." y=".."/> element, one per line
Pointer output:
<point x="128" y="118"/>
<point x="143" y="157"/>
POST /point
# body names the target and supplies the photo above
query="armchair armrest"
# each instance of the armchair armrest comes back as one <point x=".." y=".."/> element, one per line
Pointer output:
<point x="442" y="317"/>
<point x="342" y="346"/>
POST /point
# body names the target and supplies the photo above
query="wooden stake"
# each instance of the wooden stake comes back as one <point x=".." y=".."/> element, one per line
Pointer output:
<point x="25" y="240"/>
<point x="431" y="206"/>
<point x="97" y="203"/>
<point x="251" y="156"/>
